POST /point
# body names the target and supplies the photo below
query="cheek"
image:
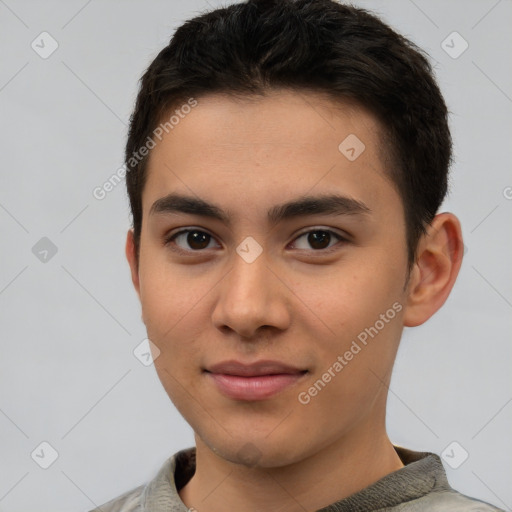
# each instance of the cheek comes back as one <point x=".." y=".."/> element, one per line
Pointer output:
<point x="168" y="293"/>
<point x="354" y="298"/>
<point x="167" y="315"/>
<point x="365" y="312"/>
<point x="173" y="326"/>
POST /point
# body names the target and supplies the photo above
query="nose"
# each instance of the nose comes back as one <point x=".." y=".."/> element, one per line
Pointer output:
<point x="252" y="297"/>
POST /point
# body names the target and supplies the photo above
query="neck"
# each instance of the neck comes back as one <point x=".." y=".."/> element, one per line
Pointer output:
<point x="336" y="471"/>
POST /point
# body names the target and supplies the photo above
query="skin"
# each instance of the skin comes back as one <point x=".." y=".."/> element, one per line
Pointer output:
<point x="295" y="303"/>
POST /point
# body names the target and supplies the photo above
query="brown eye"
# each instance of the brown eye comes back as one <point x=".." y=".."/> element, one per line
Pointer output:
<point x="190" y="240"/>
<point x="318" y="239"/>
<point x="198" y="239"/>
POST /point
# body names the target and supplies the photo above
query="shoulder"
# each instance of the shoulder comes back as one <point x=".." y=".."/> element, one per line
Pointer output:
<point x="127" y="502"/>
<point x="160" y="493"/>
<point x="447" y="500"/>
<point x="424" y="471"/>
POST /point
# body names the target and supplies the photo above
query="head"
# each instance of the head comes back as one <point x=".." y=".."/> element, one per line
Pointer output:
<point x="261" y="113"/>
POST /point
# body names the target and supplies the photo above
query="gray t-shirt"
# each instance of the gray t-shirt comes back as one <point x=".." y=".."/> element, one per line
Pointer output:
<point x="419" y="486"/>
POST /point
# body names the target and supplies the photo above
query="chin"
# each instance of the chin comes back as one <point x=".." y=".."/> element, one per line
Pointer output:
<point x="257" y="452"/>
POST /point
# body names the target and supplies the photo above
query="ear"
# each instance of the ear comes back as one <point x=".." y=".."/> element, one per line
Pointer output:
<point x="131" y="256"/>
<point x="438" y="261"/>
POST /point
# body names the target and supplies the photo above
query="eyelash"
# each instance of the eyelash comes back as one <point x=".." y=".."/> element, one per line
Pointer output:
<point x="169" y="240"/>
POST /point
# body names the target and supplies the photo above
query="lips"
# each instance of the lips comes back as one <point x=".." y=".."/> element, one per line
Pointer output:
<point x="254" y="369"/>
<point x="257" y="381"/>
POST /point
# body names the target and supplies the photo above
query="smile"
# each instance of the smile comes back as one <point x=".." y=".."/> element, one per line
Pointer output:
<point x="258" y="380"/>
<point x="258" y="387"/>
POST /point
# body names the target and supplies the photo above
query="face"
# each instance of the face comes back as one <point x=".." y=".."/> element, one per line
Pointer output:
<point x="236" y="270"/>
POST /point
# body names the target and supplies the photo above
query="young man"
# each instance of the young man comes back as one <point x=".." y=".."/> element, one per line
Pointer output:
<point x="286" y="162"/>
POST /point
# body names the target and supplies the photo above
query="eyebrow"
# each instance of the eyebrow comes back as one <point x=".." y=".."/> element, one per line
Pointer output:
<point x="332" y="204"/>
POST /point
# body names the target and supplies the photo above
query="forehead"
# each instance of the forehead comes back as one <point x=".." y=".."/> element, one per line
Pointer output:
<point x="272" y="147"/>
<point x="280" y="117"/>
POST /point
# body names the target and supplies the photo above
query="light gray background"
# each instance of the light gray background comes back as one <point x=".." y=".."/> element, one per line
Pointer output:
<point x="68" y="375"/>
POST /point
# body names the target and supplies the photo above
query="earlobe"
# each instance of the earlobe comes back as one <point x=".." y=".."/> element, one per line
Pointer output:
<point x="438" y="261"/>
<point x="131" y="256"/>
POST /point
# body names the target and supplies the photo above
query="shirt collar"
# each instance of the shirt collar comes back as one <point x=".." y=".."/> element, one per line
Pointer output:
<point x="422" y="472"/>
